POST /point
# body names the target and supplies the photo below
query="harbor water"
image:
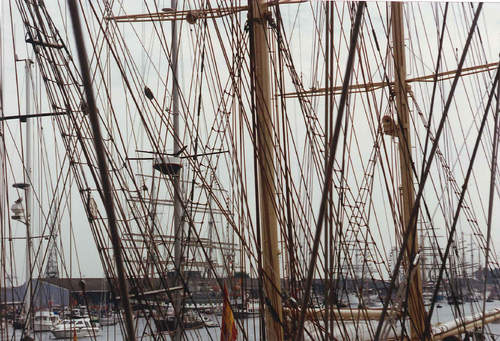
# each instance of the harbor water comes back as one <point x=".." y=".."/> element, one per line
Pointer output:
<point x="249" y="329"/>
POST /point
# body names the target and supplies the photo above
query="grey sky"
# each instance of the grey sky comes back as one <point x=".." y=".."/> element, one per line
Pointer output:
<point x="302" y="49"/>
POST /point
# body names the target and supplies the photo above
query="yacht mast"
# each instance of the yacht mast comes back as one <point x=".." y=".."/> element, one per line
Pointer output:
<point x="416" y="307"/>
<point x="265" y="145"/>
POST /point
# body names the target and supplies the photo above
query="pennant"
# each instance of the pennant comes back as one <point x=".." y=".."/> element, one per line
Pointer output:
<point x="228" y="328"/>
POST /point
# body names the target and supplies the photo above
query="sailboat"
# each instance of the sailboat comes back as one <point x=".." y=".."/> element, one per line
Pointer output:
<point x="324" y="135"/>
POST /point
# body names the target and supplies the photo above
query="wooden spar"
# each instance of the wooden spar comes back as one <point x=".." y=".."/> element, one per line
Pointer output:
<point x="347" y="314"/>
<point x="360" y="321"/>
<point x="192" y="15"/>
<point x="416" y="309"/>
<point x="265" y="156"/>
<point x="462" y="325"/>
<point x="371" y="86"/>
<point x="172" y="15"/>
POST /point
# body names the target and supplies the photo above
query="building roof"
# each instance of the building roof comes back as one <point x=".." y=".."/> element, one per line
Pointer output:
<point x="103" y="284"/>
<point x="75" y="284"/>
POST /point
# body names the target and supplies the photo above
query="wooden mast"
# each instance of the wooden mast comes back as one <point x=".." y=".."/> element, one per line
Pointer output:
<point x="265" y="144"/>
<point x="416" y="307"/>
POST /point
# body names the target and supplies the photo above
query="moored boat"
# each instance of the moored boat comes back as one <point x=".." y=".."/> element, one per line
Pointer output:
<point x="168" y="323"/>
<point x="81" y="327"/>
<point x="208" y="321"/>
<point x="45" y="320"/>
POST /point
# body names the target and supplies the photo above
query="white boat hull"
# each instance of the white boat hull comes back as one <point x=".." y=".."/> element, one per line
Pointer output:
<point x="69" y="333"/>
<point x="71" y="328"/>
<point x="42" y="327"/>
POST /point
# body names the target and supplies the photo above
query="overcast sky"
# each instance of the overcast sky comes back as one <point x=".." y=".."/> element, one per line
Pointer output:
<point x="85" y="261"/>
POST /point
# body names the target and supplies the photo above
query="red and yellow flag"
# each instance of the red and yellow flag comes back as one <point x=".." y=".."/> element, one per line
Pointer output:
<point x="228" y="328"/>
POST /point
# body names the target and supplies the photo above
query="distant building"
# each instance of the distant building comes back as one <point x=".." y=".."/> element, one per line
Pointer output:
<point x="87" y="291"/>
<point x="45" y="294"/>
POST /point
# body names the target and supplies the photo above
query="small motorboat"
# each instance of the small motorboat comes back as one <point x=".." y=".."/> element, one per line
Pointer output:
<point x="45" y="320"/>
<point x="208" y="321"/>
<point x="81" y="327"/>
<point x="168" y="323"/>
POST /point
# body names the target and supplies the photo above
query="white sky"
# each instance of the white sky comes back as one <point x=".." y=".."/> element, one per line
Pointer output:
<point x="86" y="257"/>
